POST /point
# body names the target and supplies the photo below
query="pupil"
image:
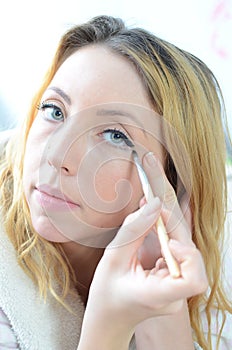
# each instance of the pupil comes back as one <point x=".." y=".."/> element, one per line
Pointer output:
<point x="117" y="136"/>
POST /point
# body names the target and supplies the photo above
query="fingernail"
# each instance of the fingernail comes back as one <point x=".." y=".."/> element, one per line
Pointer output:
<point x="150" y="159"/>
<point x="175" y="243"/>
<point x="151" y="207"/>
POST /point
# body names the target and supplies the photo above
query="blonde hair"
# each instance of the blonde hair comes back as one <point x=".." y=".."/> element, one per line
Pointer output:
<point x="185" y="92"/>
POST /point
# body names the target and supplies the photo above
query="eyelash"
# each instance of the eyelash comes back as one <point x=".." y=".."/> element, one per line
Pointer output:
<point x="45" y="106"/>
<point x="124" y="138"/>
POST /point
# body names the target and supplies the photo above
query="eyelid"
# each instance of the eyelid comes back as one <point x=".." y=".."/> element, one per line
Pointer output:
<point x="126" y="132"/>
<point x="54" y="103"/>
<point x="120" y="127"/>
<point x="121" y="130"/>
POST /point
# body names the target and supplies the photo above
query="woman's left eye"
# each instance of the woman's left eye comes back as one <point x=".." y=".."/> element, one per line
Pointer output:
<point x="51" y="112"/>
<point x="117" y="138"/>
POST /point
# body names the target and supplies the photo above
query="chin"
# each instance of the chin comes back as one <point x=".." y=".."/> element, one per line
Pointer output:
<point x="48" y="231"/>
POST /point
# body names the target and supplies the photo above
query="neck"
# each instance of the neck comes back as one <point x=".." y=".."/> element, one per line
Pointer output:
<point x="84" y="261"/>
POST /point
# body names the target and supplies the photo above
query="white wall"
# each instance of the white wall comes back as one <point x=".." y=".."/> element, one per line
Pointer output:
<point x="29" y="32"/>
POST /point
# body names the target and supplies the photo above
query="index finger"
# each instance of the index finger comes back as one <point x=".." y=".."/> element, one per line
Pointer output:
<point x="162" y="188"/>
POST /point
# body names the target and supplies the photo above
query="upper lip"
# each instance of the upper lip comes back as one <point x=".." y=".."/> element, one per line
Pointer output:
<point x="54" y="192"/>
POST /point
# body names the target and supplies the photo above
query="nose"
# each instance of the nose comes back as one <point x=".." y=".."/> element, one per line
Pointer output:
<point x="65" y="149"/>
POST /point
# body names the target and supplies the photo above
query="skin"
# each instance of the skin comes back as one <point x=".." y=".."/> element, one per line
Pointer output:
<point x="76" y="156"/>
<point x="68" y="149"/>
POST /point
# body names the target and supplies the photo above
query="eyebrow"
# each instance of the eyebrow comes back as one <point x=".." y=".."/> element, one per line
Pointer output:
<point x="113" y="112"/>
<point x="100" y="112"/>
<point x="61" y="93"/>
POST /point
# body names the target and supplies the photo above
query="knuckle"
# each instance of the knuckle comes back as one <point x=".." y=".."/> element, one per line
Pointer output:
<point x="129" y="220"/>
<point x="170" y="196"/>
<point x="199" y="279"/>
<point x="199" y="285"/>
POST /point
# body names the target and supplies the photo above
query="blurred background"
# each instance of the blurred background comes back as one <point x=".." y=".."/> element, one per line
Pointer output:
<point x="30" y="31"/>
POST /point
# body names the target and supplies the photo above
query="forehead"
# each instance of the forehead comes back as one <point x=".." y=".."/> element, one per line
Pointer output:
<point x="102" y="87"/>
<point x="94" y="75"/>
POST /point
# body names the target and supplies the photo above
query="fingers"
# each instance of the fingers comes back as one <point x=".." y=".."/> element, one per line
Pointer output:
<point x="134" y="229"/>
<point x="163" y="189"/>
<point x="185" y="208"/>
<point x="158" y="180"/>
<point x="176" y="228"/>
<point x="194" y="279"/>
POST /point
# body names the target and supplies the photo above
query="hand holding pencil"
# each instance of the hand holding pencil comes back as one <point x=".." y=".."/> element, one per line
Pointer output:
<point x="160" y="228"/>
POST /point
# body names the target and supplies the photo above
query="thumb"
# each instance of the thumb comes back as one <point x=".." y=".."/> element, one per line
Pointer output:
<point x="137" y="225"/>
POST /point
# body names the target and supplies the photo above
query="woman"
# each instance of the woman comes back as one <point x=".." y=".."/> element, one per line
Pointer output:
<point x="71" y="195"/>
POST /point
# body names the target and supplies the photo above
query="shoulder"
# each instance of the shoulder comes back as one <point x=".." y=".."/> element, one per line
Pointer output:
<point x="27" y="313"/>
<point x="7" y="336"/>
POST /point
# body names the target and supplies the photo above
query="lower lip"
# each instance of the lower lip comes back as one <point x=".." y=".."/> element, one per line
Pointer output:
<point x="53" y="203"/>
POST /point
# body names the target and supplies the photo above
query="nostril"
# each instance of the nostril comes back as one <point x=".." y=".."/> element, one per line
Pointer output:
<point x="59" y="166"/>
<point x="66" y="170"/>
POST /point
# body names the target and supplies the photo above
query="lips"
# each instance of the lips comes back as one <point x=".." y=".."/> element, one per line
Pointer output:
<point x="52" y="198"/>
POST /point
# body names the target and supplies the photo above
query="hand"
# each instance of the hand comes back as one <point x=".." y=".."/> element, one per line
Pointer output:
<point x="123" y="293"/>
<point x="142" y="293"/>
<point x="150" y="251"/>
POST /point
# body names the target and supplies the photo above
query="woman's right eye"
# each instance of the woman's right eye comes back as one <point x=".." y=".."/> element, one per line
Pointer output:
<point x="51" y="112"/>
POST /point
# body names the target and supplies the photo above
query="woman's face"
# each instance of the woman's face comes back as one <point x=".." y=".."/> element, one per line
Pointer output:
<point x="79" y="178"/>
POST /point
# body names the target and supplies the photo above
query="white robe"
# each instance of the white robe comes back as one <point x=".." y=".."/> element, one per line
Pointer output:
<point x="37" y="325"/>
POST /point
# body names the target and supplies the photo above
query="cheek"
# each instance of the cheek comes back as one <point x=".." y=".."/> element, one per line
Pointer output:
<point x="117" y="181"/>
<point x="35" y="146"/>
<point x="36" y="143"/>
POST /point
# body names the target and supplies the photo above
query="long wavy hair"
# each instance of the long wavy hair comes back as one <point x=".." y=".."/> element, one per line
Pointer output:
<point x="184" y="91"/>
